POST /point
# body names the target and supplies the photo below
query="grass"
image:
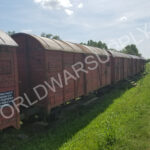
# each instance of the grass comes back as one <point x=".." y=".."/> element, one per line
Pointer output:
<point x="118" y="120"/>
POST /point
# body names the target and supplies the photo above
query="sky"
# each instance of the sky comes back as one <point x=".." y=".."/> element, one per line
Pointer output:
<point x="118" y="23"/>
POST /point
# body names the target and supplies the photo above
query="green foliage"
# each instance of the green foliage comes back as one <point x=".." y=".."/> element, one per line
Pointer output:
<point x="50" y="36"/>
<point x="98" y="44"/>
<point x="131" y="49"/>
<point x="56" y="37"/>
<point x="148" y="60"/>
<point x="46" y="35"/>
<point x="11" y="33"/>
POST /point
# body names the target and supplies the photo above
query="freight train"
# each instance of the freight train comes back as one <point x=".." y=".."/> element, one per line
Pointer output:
<point x="37" y="72"/>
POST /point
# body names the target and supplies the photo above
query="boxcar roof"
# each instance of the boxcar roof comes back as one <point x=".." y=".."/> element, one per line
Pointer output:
<point x="96" y="50"/>
<point x="135" y="57"/>
<point x="6" y="40"/>
<point x="59" y="45"/>
<point x="119" y="54"/>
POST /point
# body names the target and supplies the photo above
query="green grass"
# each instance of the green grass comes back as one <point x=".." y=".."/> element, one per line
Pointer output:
<point x="118" y="120"/>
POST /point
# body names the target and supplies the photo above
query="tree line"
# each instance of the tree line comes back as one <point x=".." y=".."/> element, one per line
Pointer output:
<point x="129" y="49"/>
<point x="98" y="44"/>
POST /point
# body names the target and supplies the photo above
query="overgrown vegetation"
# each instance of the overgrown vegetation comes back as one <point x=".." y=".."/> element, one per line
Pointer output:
<point x="98" y="44"/>
<point x="118" y="120"/>
<point x="50" y="36"/>
<point x="131" y="49"/>
<point x="11" y="33"/>
<point x="148" y="60"/>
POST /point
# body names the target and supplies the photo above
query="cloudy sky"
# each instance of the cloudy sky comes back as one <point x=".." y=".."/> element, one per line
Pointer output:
<point x="117" y="23"/>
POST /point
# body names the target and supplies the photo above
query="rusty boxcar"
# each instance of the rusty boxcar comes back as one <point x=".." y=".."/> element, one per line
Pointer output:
<point x="125" y="65"/>
<point x="52" y="72"/>
<point x="9" y="116"/>
<point x="120" y="66"/>
<point x="41" y="60"/>
<point x="45" y="64"/>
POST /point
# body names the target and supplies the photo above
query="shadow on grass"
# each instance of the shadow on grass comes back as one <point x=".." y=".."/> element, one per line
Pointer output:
<point x="66" y="123"/>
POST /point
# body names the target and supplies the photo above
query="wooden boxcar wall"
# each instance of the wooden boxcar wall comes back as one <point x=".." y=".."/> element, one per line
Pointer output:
<point x="8" y="86"/>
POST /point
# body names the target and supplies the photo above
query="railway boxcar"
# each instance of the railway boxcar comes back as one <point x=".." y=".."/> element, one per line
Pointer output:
<point x="9" y="116"/>
<point x="101" y="76"/>
<point x="120" y="66"/>
<point x="42" y="60"/>
<point x="137" y="64"/>
<point x="48" y="75"/>
<point x="125" y="65"/>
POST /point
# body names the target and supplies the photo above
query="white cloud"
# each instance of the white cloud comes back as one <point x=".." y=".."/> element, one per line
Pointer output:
<point x="123" y="19"/>
<point x="54" y="4"/>
<point x="106" y="20"/>
<point x="69" y="12"/>
<point x="80" y="5"/>
<point x="26" y="31"/>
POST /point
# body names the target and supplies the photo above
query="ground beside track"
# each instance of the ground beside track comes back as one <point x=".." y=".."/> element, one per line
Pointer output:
<point x="118" y="120"/>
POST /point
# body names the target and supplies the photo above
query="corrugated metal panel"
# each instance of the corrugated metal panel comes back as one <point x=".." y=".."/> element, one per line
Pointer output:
<point x="6" y="40"/>
<point x="142" y="58"/>
<point x="52" y="44"/>
<point x="47" y="43"/>
<point x="102" y="51"/>
<point x="83" y="48"/>
<point x="65" y="46"/>
<point x="75" y="47"/>
<point x="93" y="50"/>
<point x="118" y="54"/>
<point x="127" y="56"/>
<point x="135" y="57"/>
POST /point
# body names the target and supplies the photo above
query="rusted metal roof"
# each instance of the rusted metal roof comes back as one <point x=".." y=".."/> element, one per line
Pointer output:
<point x="97" y="51"/>
<point x="123" y="55"/>
<point x="52" y="44"/>
<point x="58" y="45"/>
<point x="119" y="54"/>
<point x="83" y="48"/>
<point x="135" y="57"/>
<point x="6" y="40"/>
<point x="75" y="47"/>
<point x="142" y="58"/>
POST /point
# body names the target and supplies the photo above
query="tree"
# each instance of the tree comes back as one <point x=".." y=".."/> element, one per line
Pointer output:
<point x="102" y="45"/>
<point x="131" y="49"/>
<point x="50" y="36"/>
<point x="98" y="44"/>
<point x="11" y="33"/>
<point x="56" y="37"/>
<point x="148" y="60"/>
<point x="83" y="43"/>
<point x="46" y="35"/>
